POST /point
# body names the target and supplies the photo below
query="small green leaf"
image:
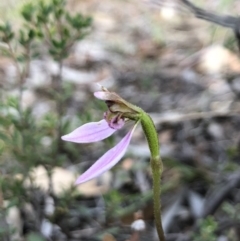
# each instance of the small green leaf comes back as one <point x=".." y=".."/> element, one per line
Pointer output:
<point x="3" y="137"/>
<point x="12" y="101"/>
<point x="34" y="237"/>
<point x="31" y="34"/>
<point x="27" y="11"/>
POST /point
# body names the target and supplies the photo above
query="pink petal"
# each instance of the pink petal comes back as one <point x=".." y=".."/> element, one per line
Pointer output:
<point x="90" y="132"/>
<point x="101" y="95"/>
<point x="108" y="160"/>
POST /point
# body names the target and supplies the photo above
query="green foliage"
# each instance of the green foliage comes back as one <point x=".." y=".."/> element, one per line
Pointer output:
<point x="50" y="23"/>
<point x="118" y="205"/>
<point x="6" y="33"/>
<point x="233" y="211"/>
<point x="34" y="237"/>
<point x="207" y="230"/>
<point x="27" y="141"/>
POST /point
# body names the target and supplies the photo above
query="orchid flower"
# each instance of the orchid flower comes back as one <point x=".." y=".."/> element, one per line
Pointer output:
<point x="97" y="131"/>
<point x="119" y="111"/>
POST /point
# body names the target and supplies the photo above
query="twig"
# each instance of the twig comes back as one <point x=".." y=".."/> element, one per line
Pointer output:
<point x="226" y="21"/>
<point x="175" y="117"/>
<point x="222" y="20"/>
<point x="21" y="77"/>
<point x="226" y="225"/>
<point x="27" y="68"/>
<point x="59" y="104"/>
<point x="1" y="197"/>
<point x="216" y="199"/>
<point x="48" y="34"/>
<point x="3" y="224"/>
<point x="237" y="33"/>
<point x="167" y="4"/>
<point x="15" y="61"/>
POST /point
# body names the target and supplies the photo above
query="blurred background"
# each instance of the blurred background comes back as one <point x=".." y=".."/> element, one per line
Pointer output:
<point x="160" y="55"/>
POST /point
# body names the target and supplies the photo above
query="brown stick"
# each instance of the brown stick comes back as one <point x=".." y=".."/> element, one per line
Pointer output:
<point x="222" y="20"/>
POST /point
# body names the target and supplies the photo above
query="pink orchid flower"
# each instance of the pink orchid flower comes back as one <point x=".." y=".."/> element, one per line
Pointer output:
<point x="114" y="119"/>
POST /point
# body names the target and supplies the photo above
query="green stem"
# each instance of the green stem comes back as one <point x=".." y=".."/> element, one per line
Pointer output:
<point x="157" y="167"/>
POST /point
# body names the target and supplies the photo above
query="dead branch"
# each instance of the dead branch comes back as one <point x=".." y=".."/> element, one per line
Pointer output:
<point x="217" y="197"/>
<point x="226" y="21"/>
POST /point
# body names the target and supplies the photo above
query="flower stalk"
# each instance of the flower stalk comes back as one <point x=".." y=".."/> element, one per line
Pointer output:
<point x="156" y="166"/>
